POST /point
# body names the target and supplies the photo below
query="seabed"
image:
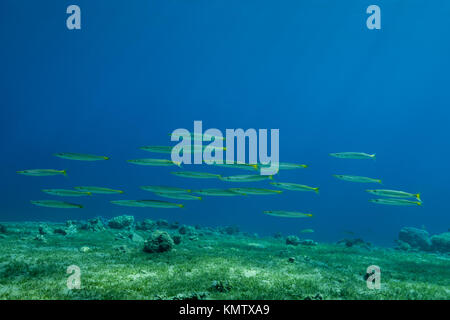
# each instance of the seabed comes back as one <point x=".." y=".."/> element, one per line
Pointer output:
<point x="207" y="263"/>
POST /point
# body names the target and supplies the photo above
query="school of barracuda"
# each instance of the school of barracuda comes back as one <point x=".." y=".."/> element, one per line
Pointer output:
<point x="385" y="196"/>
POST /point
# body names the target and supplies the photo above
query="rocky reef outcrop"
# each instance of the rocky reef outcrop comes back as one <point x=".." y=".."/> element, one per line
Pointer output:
<point x="441" y="242"/>
<point x="293" y="240"/>
<point x="411" y="238"/>
<point x="415" y="238"/>
<point x="146" y="225"/>
<point x="159" y="241"/>
<point x="121" y="222"/>
<point x="94" y="225"/>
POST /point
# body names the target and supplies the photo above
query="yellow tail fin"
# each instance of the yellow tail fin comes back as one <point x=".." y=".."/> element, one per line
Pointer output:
<point x="316" y="190"/>
<point x="64" y="172"/>
<point x="418" y="197"/>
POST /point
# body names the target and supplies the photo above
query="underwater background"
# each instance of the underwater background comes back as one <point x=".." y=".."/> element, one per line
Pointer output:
<point x="137" y="70"/>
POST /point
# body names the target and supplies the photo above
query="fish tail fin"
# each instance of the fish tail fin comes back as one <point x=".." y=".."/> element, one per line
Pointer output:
<point x="120" y="191"/>
<point x="189" y="190"/>
<point x="181" y="205"/>
<point x="254" y="166"/>
<point x="271" y="177"/>
<point x="106" y="158"/>
<point x="419" y="203"/>
<point x="374" y="156"/>
<point x="89" y="193"/>
<point x="64" y="172"/>
<point x="200" y="198"/>
<point x="304" y="165"/>
<point x="379" y="181"/>
<point x="316" y="190"/>
<point x="418" y="197"/>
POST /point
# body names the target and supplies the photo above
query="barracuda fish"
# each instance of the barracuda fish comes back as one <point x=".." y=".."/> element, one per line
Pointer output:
<point x="353" y="155"/>
<point x="246" y="178"/>
<point x="255" y="191"/>
<point x="396" y="202"/>
<point x="56" y="204"/>
<point x="307" y="231"/>
<point x="128" y="203"/>
<point x="288" y="214"/>
<point x="196" y="175"/>
<point x="160" y="204"/>
<point x="294" y="186"/>
<point x="181" y="196"/>
<point x="285" y="166"/>
<point x="356" y="179"/>
<point x="394" y="194"/>
<point x="245" y="166"/>
<point x="42" y="172"/>
<point x="164" y="189"/>
<point x="154" y="162"/>
<point x="66" y="193"/>
<point x="157" y="149"/>
<point x="99" y="190"/>
<point x="216" y="192"/>
<point x="80" y="156"/>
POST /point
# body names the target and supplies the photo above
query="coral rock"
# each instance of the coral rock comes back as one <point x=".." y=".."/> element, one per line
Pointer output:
<point x="293" y="240"/>
<point x="441" y="242"/>
<point x="159" y="241"/>
<point x="416" y="238"/>
<point x="121" y="222"/>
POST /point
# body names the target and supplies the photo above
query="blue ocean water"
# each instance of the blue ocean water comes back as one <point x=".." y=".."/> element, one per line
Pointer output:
<point x="137" y="70"/>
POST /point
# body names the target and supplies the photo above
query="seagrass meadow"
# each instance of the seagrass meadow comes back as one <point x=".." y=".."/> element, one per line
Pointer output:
<point x="204" y="263"/>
